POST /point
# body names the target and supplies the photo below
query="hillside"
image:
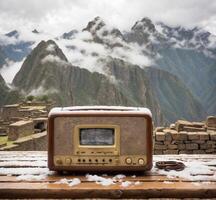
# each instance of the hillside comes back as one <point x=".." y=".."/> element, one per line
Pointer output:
<point x="171" y="70"/>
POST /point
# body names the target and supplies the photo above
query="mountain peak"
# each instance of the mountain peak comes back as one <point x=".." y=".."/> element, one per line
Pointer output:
<point x="70" y="34"/>
<point x="144" y="25"/>
<point x="35" y="31"/>
<point x="13" y="33"/>
<point x="103" y="33"/>
<point x="96" y="24"/>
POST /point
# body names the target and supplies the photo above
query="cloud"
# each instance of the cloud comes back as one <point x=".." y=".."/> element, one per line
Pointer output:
<point x="57" y="16"/>
<point x="82" y="51"/>
<point x="41" y="91"/>
<point x="54" y="59"/>
<point x="9" y="70"/>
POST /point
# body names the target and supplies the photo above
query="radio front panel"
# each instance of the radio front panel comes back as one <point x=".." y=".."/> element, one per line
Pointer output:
<point x="130" y="130"/>
<point x="100" y="142"/>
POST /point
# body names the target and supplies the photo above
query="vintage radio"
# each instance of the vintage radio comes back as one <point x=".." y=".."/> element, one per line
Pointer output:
<point x="100" y="138"/>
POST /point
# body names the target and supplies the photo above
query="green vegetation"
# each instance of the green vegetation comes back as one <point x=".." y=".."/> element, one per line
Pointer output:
<point x="3" y="139"/>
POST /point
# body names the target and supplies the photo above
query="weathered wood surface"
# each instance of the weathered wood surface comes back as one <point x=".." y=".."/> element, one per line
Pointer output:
<point x="25" y="175"/>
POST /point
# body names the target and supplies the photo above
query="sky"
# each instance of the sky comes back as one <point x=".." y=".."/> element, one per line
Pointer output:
<point x="58" y="16"/>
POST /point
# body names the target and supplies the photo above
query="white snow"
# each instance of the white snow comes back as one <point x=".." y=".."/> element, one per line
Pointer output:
<point x="119" y="176"/>
<point x="100" y="180"/>
<point x="137" y="183"/>
<point x="39" y="163"/>
<point x="101" y="108"/>
<point x="168" y="182"/>
<point x="26" y="171"/>
<point x="126" y="183"/>
<point x="31" y="177"/>
<point x="50" y="48"/>
<point x="70" y="182"/>
<point x="195" y="170"/>
<point x="75" y="181"/>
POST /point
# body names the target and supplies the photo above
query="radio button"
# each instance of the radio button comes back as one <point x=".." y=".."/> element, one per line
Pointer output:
<point x="128" y="160"/>
<point x="68" y="161"/>
<point x="59" y="161"/>
<point x="141" y="161"/>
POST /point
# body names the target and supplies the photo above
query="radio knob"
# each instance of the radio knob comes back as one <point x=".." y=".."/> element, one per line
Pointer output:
<point x="68" y="161"/>
<point x="58" y="161"/>
<point x="141" y="161"/>
<point x="128" y="160"/>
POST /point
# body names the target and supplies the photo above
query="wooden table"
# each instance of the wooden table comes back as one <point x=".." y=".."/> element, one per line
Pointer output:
<point x="25" y="175"/>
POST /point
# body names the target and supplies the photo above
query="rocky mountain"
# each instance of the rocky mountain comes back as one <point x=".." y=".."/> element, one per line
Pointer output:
<point x="4" y="90"/>
<point x="188" y="54"/>
<point x="2" y="57"/>
<point x="13" y="48"/>
<point x="174" y="98"/>
<point x="47" y="70"/>
<point x="171" y="70"/>
<point x="8" y="95"/>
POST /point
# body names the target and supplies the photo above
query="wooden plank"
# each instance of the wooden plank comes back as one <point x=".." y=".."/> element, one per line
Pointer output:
<point x="86" y="190"/>
<point x="15" y="164"/>
<point x="55" y="178"/>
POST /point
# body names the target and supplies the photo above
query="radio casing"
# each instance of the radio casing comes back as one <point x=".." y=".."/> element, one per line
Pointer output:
<point x="130" y="128"/>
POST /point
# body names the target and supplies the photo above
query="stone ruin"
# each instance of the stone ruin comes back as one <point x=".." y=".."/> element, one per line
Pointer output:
<point x="186" y="137"/>
<point x="21" y="120"/>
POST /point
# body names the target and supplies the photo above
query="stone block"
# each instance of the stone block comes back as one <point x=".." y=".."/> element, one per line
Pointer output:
<point x="172" y="146"/>
<point x="159" y="129"/>
<point x="205" y="146"/>
<point x="211" y="122"/>
<point x="211" y="142"/>
<point x="158" y="142"/>
<point x="177" y="142"/>
<point x="199" y="141"/>
<point x="167" y="142"/>
<point x="160" y="147"/>
<point x="186" y="152"/>
<point x="160" y="136"/>
<point x="193" y="136"/>
<point x="198" y="151"/>
<point x="158" y="152"/>
<point x="182" y="135"/>
<point x="213" y="135"/>
<point x="169" y="151"/>
<point x="168" y="137"/>
<point x="193" y="129"/>
<point x="172" y="126"/>
<point x="192" y="146"/>
<point x="181" y="146"/>
<point x="180" y="124"/>
<point x="210" y="150"/>
<point x="198" y="124"/>
<point x="203" y="135"/>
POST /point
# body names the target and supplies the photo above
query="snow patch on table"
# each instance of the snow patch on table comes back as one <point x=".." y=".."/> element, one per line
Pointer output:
<point x="26" y="171"/>
<point x="31" y="177"/>
<point x="100" y="180"/>
<point x="168" y="182"/>
<point x="126" y="183"/>
<point x="195" y="170"/>
<point x="70" y="182"/>
<point x="119" y="176"/>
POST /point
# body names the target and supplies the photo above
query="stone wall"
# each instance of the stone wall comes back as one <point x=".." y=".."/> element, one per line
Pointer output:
<point x="20" y="129"/>
<point x="35" y="142"/>
<point x="185" y="137"/>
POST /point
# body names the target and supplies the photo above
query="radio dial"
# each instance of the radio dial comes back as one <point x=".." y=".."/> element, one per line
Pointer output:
<point x="58" y="161"/>
<point x="68" y="161"/>
<point x="141" y="161"/>
<point x="128" y="160"/>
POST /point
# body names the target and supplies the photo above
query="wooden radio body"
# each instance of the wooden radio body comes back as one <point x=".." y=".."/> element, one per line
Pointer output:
<point x="100" y="138"/>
